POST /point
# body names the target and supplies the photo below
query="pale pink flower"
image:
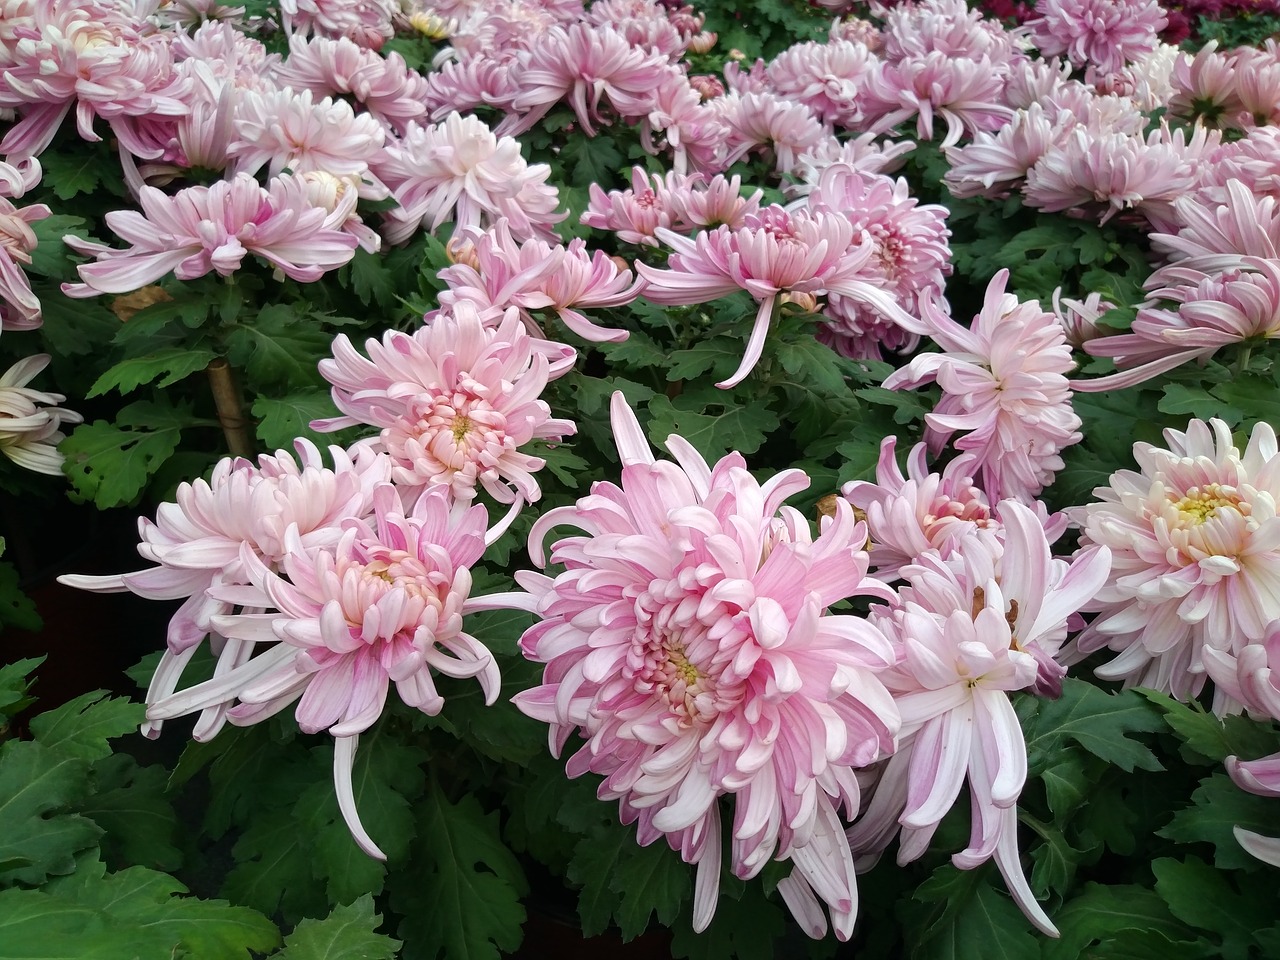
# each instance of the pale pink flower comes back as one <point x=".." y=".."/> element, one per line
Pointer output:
<point x="718" y="201"/>
<point x="1079" y="318"/>
<point x="461" y="86"/>
<point x="19" y="307"/>
<point x="754" y="80"/>
<point x="338" y="197"/>
<point x="1212" y="311"/>
<point x="694" y="132"/>
<point x="826" y="77"/>
<point x="1004" y="381"/>
<point x="459" y="170"/>
<point x="1204" y="87"/>
<point x="995" y="163"/>
<point x="200" y="539"/>
<point x="1257" y="87"/>
<point x="1254" y="160"/>
<point x="1148" y="80"/>
<point x="583" y="65"/>
<point x="200" y="229"/>
<point x="766" y="122"/>
<point x="949" y="27"/>
<point x="922" y="512"/>
<point x="687" y="642"/>
<point x="709" y="87"/>
<point x="31" y="420"/>
<point x="383" y="85"/>
<point x="385" y="604"/>
<point x="92" y="57"/>
<point x="455" y="402"/>
<point x="967" y="94"/>
<point x="18" y="177"/>
<point x="865" y="153"/>
<point x="1247" y="678"/>
<point x="289" y="130"/>
<point x="676" y="202"/>
<point x="366" y="23"/>
<point x="1101" y="35"/>
<point x="969" y="631"/>
<point x="857" y="30"/>
<point x="192" y="14"/>
<point x="809" y="251"/>
<point x="1196" y="556"/>
<point x="1037" y="81"/>
<point x="909" y="256"/>
<point x="232" y="56"/>
<point x="534" y="275"/>
<point x="1217" y="236"/>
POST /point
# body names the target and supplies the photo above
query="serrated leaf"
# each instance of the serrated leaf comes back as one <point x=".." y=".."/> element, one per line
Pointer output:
<point x="1066" y="784"/>
<point x="71" y="173"/>
<point x="1103" y="910"/>
<point x="1192" y="399"/>
<point x="111" y="466"/>
<point x="988" y="926"/>
<point x="129" y="803"/>
<point x="745" y="927"/>
<point x="49" y="258"/>
<point x="470" y="878"/>
<point x="37" y="782"/>
<point x="638" y="350"/>
<point x="1054" y="860"/>
<point x="16" y="608"/>
<point x="15" y="680"/>
<point x="275" y="868"/>
<point x="1200" y="896"/>
<point x="278" y="345"/>
<point x="589" y="161"/>
<point x="1215" y="738"/>
<point x="348" y="933"/>
<point x="368" y="275"/>
<point x="281" y="420"/>
<point x="717" y="357"/>
<point x="810" y="362"/>
<point x="74" y="327"/>
<point x="1218" y="806"/>
<point x="1099" y="722"/>
<point x="735" y="427"/>
<point x="82" y="727"/>
<point x="623" y="881"/>
<point x="37" y="926"/>
<point x="169" y="364"/>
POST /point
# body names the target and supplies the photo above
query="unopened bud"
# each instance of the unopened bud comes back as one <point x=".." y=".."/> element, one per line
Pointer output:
<point x="621" y="264"/>
<point x="708" y="87"/>
<point x="702" y="42"/>
<point x="736" y="54"/>
<point x="807" y="302"/>
<point x="461" y="250"/>
<point x="431" y="25"/>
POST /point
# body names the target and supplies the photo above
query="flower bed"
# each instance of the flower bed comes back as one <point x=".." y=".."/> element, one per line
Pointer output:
<point x="580" y="456"/>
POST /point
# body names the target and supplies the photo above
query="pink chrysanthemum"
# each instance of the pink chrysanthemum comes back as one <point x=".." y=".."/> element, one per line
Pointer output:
<point x="459" y="170"/>
<point x="1079" y="318"/>
<point x="716" y="670"/>
<point x="19" y="307"/>
<point x="31" y="420"/>
<point x="366" y="23"/>
<point x="809" y="251"/>
<point x="1196" y="547"/>
<point x="826" y="77"/>
<point x="213" y="228"/>
<point x="199" y="541"/>
<point x="1003" y="380"/>
<point x="950" y="27"/>
<point x="694" y="133"/>
<point x="995" y="163"/>
<point x="1102" y="35"/>
<point x="969" y="631"/>
<point x="383" y="85"/>
<point x="1217" y="236"/>
<point x="384" y="604"/>
<point x="967" y="94"/>
<point x="1204" y="87"/>
<point x="455" y="402"/>
<point x="766" y="122"/>
<point x="676" y="202"/>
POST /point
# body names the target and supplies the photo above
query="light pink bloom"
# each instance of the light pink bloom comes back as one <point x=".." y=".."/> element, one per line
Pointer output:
<point x="687" y="642"/>
<point x="200" y="229"/>
<point x="384" y="604"/>
<point x="1254" y="160"/>
<point x="455" y="402"/>
<point x="1257" y="87"/>
<point x="338" y="196"/>
<point x="18" y="177"/>
<point x="1205" y="87"/>
<point x="632" y="214"/>
<point x="1196" y="547"/>
<point x="964" y="93"/>
<point x="995" y="163"/>
<point x="1079" y="318"/>
<point x="288" y="130"/>
<point x="865" y="153"/>
<point x="769" y="123"/>
<point x="1217" y="236"/>
<point x="92" y="56"/>
<point x="461" y="86"/>
<point x="31" y="420"/>
<point x="1212" y="311"/>
<point x="581" y="64"/>
<point x="1102" y="35"/>
<point x="694" y="132"/>
<point x="459" y="170"/>
<point x="1037" y="81"/>
<point x="535" y="275"/>
<point x="949" y="27"/>
<point x="1004" y="381"/>
<point x="19" y="307"/>
<point x="1247" y="678"/>
<point x="383" y="85"/>
<point x="366" y="23"/>
<point x="199" y="541"/>
<point x="925" y="512"/>
<point x="825" y="77"/>
<point x="909" y="256"/>
<point x="192" y="14"/>
<point x="753" y="80"/>
<point x="969" y="631"/>
<point x="809" y="251"/>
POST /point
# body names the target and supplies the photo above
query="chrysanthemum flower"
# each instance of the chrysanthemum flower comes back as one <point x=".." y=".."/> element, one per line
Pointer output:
<point x="31" y="420"/>
<point x="384" y="604"/>
<point x="687" y="642"/>
<point x="199" y="541"/>
<point x="459" y="170"/>
<point x="455" y="402"/>
<point x="366" y="23"/>
<point x="1004" y="381"/>
<point x="1102" y="35"/>
<point x="766" y="122"/>
<point x="969" y="631"/>
<point x="19" y="307"/>
<point x="1196" y="548"/>
<point x="995" y="163"/>
<point x="826" y="77"/>
<point x="967" y="94"/>
<point x="201" y="229"/>
<point x="1212" y="311"/>
<point x="1204" y="87"/>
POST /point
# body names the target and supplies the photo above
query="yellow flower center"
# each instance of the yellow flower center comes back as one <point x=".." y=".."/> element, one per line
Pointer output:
<point x="1200" y="503"/>
<point x="461" y="427"/>
<point x="682" y="666"/>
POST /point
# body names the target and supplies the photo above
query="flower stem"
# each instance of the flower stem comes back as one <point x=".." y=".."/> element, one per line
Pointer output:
<point x="230" y="407"/>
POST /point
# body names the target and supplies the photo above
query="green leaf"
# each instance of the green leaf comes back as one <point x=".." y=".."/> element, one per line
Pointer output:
<point x="908" y="405"/>
<point x="1199" y="895"/>
<point x="1218" y="806"/>
<point x="49" y="258"/>
<point x="589" y="161"/>
<point x="810" y="362"/>
<point x="36" y="782"/>
<point x="74" y="327"/>
<point x="985" y="926"/>
<point x="281" y="420"/>
<point x="1193" y="399"/>
<point x="82" y="727"/>
<point x="1100" y="722"/>
<point x="744" y="926"/>
<point x="1212" y="737"/>
<point x="1054" y="860"/>
<point x="278" y="345"/>
<point x="275" y="868"/>
<point x="468" y="876"/>
<point x="626" y="882"/>
<point x="37" y="926"/>
<point x="70" y="173"/>
<point x="15" y="680"/>
<point x="1067" y="785"/>
<point x="719" y="355"/>
<point x="368" y="276"/>
<point x="16" y="608"/>
<point x="638" y="350"/>
<point x="170" y="364"/>
<point x="348" y="933"/>
<point x="110" y="465"/>
<point x="1103" y="910"/>
<point x="129" y="803"/>
<point x="735" y="427"/>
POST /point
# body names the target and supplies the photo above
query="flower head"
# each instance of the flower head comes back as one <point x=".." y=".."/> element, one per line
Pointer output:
<point x="716" y="669"/>
<point x="1102" y="35"/>
<point x="30" y="419"/>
